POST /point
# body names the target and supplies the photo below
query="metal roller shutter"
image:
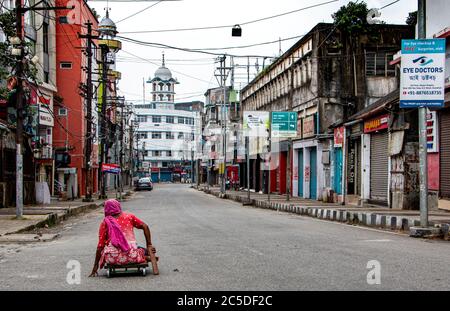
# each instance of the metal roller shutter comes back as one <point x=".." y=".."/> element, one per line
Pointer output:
<point x="379" y="167"/>
<point x="445" y="154"/>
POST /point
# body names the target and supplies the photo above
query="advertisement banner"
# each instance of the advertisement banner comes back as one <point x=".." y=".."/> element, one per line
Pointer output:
<point x="339" y="137"/>
<point x="422" y="73"/>
<point x="432" y="130"/>
<point x="256" y="123"/>
<point x="111" y="168"/>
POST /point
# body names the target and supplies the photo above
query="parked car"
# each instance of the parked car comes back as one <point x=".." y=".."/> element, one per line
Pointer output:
<point x="144" y="184"/>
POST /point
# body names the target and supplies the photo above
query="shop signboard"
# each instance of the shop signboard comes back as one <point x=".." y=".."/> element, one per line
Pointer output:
<point x="309" y="127"/>
<point x="376" y="124"/>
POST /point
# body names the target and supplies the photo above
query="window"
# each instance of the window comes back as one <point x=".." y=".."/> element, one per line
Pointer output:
<point x="170" y="119"/>
<point x="63" y="20"/>
<point x="164" y="164"/>
<point x="156" y="119"/>
<point x="192" y="136"/>
<point x="156" y="135"/>
<point x="180" y="120"/>
<point x="142" y="119"/>
<point x="142" y="135"/>
<point x="62" y="112"/>
<point x="169" y="153"/>
<point x="45" y="37"/>
<point x="377" y="64"/>
<point x="180" y="135"/>
<point x="154" y="164"/>
<point x="169" y="135"/>
<point x="65" y="65"/>
<point x="156" y="153"/>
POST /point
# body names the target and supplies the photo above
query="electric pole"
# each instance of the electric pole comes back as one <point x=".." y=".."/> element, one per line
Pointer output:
<point x="89" y="95"/>
<point x="19" y="107"/>
<point x="223" y="74"/>
<point x="20" y="10"/>
<point x="423" y="149"/>
<point x="102" y="118"/>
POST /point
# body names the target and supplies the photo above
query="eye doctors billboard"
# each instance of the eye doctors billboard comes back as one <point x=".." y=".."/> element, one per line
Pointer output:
<point x="422" y="73"/>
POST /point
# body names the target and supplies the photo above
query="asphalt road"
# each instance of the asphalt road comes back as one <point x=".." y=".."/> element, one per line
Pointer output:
<point x="205" y="243"/>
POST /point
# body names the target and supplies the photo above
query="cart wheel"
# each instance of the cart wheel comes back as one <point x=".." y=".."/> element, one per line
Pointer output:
<point x="144" y="272"/>
<point x="108" y="273"/>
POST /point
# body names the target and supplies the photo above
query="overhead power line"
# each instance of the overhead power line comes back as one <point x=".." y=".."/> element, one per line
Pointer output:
<point x="139" y="12"/>
<point x="228" y="26"/>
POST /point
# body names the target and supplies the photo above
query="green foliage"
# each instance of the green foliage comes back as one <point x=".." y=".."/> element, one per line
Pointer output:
<point x="352" y="18"/>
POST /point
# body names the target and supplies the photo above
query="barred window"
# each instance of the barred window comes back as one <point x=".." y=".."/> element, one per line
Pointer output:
<point x="156" y="119"/>
<point x="170" y="119"/>
<point x="377" y="64"/>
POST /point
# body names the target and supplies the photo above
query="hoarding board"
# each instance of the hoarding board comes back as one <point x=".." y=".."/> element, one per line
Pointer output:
<point x="111" y="168"/>
<point x="256" y="123"/>
<point x="422" y="77"/>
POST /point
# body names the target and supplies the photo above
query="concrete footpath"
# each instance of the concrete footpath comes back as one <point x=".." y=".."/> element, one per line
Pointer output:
<point x="39" y="216"/>
<point x="370" y="215"/>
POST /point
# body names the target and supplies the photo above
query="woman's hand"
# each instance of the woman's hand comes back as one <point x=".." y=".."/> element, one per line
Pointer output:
<point x="94" y="271"/>
<point x="151" y="249"/>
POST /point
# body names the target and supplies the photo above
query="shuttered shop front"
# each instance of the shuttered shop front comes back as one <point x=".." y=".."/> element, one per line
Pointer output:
<point x="445" y="153"/>
<point x="379" y="167"/>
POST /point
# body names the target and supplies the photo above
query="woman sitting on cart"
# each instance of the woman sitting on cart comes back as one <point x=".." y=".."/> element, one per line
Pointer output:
<point x="117" y="243"/>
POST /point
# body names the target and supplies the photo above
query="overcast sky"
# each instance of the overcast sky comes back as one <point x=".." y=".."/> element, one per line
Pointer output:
<point x="195" y="71"/>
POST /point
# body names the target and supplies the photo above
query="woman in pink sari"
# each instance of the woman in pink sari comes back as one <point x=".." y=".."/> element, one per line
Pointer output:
<point x="117" y="242"/>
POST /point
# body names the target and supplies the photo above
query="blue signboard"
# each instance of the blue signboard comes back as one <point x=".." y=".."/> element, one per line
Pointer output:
<point x="422" y="73"/>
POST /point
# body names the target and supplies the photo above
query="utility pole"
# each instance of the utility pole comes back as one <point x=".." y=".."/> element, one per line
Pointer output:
<point x="89" y="95"/>
<point x="423" y="150"/>
<point x="20" y="10"/>
<point x="223" y="79"/>
<point x="102" y="118"/>
<point x="19" y="107"/>
<point x="247" y="144"/>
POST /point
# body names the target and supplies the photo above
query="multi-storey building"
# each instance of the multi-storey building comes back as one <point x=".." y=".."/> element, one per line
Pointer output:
<point x="70" y="107"/>
<point x="167" y="137"/>
<point x="325" y="77"/>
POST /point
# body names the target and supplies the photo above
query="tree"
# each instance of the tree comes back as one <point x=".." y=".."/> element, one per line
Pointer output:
<point x="352" y="18"/>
